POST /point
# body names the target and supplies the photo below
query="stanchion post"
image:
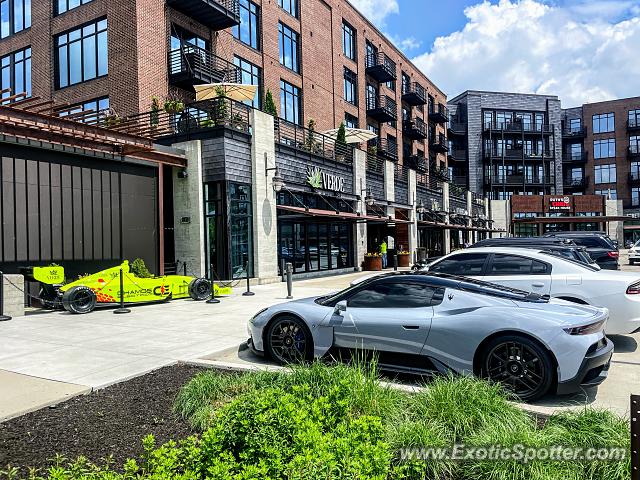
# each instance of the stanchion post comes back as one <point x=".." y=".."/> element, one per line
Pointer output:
<point x="289" y="281"/>
<point x="213" y="298"/>
<point x="121" y="308"/>
<point x="184" y="268"/>
<point x="3" y="317"/>
<point x="282" y="270"/>
<point x="248" y="293"/>
<point x="395" y="261"/>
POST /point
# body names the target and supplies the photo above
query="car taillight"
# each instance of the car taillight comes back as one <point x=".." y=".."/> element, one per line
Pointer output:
<point x="633" y="289"/>
<point x="586" y="329"/>
<point x="613" y="254"/>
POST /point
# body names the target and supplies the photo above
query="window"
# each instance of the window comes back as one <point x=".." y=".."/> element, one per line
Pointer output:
<point x="289" y="6"/>
<point x="406" y="83"/>
<point x="372" y="96"/>
<point x="604" y="123"/>
<point x="576" y="151"/>
<point x="94" y="106"/>
<point x="66" y="5"/>
<point x="15" y="73"/>
<point x="251" y="75"/>
<point x="604" y="148"/>
<point x="348" y="41"/>
<point x="392" y="294"/>
<point x="634" y="118"/>
<point x="15" y="16"/>
<point x="371" y="54"/>
<point x="516" y="265"/>
<point x="605" y="173"/>
<point x="391" y="84"/>
<point x="82" y="54"/>
<point x="247" y="31"/>
<point x="288" y="42"/>
<point x="350" y="87"/>
<point x="609" y="193"/>
<point x="464" y="264"/>
<point x="350" y="121"/>
<point x="634" y="144"/>
<point x="290" y="103"/>
<point x="575" y="125"/>
<point x="635" y="197"/>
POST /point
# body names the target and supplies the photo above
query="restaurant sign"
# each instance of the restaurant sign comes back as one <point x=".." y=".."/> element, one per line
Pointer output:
<point x="327" y="181"/>
<point x="560" y="203"/>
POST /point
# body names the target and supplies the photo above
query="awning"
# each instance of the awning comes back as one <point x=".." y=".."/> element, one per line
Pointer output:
<point x="599" y="219"/>
<point x="235" y="91"/>
<point x="352" y="135"/>
<point x="316" y="212"/>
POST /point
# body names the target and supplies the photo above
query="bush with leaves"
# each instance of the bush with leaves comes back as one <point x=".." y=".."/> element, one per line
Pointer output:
<point x="139" y="269"/>
<point x="269" y="105"/>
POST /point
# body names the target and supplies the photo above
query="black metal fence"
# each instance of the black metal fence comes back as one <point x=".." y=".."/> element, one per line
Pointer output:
<point x="311" y="142"/>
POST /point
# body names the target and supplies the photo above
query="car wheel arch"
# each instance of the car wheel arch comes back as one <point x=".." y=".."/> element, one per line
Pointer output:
<point x="477" y="357"/>
<point x="279" y="315"/>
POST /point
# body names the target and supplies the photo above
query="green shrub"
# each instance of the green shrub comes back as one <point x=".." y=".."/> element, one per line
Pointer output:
<point x="139" y="269"/>
<point x="269" y="105"/>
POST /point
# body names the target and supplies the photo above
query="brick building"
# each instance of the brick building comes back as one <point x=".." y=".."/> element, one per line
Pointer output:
<point x="321" y="60"/>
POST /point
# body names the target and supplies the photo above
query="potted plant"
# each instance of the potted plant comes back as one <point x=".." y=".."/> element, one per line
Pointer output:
<point x="173" y="106"/>
<point x="341" y="143"/>
<point x="155" y="112"/>
<point x="236" y="122"/>
<point x="220" y="107"/>
<point x="310" y="144"/>
<point x="404" y="258"/>
<point x="372" y="262"/>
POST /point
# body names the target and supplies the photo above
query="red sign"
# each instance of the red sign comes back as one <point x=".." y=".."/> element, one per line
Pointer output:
<point x="560" y="203"/>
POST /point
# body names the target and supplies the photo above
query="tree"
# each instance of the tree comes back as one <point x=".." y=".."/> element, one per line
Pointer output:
<point x="341" y="137"/>
<point x="269" y="104"/>
<point x="310" y="142"/>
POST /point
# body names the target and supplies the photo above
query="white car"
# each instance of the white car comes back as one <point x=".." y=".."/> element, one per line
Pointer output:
<point x="634" y="253"/>
<point x="546" y="274"/>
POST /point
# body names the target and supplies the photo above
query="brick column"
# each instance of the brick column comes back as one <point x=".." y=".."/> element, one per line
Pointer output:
<point x="446" y="235"/>
<point x="413" y="217"/>
<point x="360" y="188"/>
<point x="265" y="225"/>
<point x="188" y="211"/>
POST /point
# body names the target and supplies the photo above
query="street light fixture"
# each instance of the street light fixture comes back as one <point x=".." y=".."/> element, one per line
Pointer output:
<point x="421" y="208"/>
<point x="277" y="180"/>
<point x="368" y="198"/>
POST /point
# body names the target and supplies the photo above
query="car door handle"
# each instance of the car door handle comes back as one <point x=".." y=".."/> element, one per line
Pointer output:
<point x="537" y="284"/>
<point x="411" y="327"/>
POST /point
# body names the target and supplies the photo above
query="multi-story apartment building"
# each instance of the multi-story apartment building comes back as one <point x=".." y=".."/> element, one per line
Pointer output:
<point x="322" y="60"/>
<point x="509" y="143"/>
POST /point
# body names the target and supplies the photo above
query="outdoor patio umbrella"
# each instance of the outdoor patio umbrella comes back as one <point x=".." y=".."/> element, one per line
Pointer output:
<point x="234" y="91"/>
<point x="352" y="135"/>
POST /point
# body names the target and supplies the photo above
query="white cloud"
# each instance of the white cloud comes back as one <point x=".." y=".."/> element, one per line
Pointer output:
<point x="533" y="47"/>
<point x="409" y="43"/>
<point x="376" y="10"/>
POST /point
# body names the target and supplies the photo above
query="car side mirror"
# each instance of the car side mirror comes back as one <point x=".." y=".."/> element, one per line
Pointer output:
<point x="340" y="308"/>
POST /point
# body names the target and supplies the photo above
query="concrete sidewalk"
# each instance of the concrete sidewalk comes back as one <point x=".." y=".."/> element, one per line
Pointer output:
<point x="83" y="352"/>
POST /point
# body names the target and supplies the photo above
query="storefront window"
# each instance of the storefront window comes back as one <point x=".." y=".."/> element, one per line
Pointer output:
<point x="241" y="235"/>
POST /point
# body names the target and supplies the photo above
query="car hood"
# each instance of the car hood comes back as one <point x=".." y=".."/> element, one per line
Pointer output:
<point x="564" y="312"/>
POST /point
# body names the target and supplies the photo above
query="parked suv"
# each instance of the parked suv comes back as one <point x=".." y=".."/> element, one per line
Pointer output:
<point x="556" y="246"/>
<point x="600" y="247"/>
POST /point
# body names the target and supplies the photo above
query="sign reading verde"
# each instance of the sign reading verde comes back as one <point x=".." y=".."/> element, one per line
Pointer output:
<point x="327" y="181"/>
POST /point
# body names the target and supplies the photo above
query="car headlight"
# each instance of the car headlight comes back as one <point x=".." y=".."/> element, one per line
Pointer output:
<point x="258" y="314"/>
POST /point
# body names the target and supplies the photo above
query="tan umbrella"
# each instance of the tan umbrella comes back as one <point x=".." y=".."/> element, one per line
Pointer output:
<point x="234" y="91"/>
<point x="352" y="135"/>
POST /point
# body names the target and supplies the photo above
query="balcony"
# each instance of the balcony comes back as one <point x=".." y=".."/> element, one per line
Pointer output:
<point x="518" y="154"/>
<point x="457" y="128"/>
<point x="457" y="155"/>
<point x="575" y="183"/>
<point x="191" y="65"/>
<point x="460" y="180"/>
<point x="439" y="144"/>
<point x="417" y="162"/>
<point x="414" y="129"/>
<point x="634" y="178"/>
<point x="568" y="157"/>
<point x="440" y="172"/>
<point x="414" y="94"/>
<point x="518" y="180"/>
<point x="633" y="125"/>
<point x="519" y="128"/>
<point x="439" y="114"/>
<point x="215" y="14"/>
<point x="384" y="148"/>
<point x="634" y="151"/>
<point x="382" y="108"/>
<point x="576" y="132"/>
<point x="380" y="67"/>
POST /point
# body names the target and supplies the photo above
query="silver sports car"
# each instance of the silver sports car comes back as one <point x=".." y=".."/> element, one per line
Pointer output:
<point x="426" y="322"/>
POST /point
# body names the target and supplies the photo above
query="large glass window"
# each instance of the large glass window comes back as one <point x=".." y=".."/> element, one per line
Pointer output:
<point x="604" y="123"/>
<point x="635" y="197"/>
<point x="82" y="54"/>
<point x="290" y="103"/>
<point x="247" y="31"/>
<point x="15" y="16"/>
<point x="240" y="225"/>
<point x="350" y="121"/>
<point x="575" y="150"/>
<point x="62" y="6"/>
<point x="611" y="193"/>
<point x="605" y="173"/>
<point x="92" y="109"/>
<point x="289" y="47"/>
<point x="634" y="118"/>
<point x="348" y="41"/>
<point x="575" y="125"/>
<point x="350" y="86"/>
<point x="634" y="144"/>
<point x="604" y="148"/>
<point x="289" y="6"/>
<point x="251" y="75"/>
<point x="15" y="73"/>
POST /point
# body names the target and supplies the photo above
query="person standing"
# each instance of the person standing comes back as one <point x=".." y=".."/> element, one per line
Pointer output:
<point x="383" y="252"/>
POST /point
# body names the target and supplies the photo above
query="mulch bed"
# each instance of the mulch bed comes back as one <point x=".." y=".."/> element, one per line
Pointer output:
<point x="111" y="421"/>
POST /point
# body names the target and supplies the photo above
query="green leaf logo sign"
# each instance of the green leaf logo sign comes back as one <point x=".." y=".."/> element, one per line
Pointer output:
<point x="314" y="177"/>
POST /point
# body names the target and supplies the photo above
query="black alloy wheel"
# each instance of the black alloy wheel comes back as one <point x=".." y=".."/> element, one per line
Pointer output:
<point x="288" y="340"/>
<point x="520" y="365"/>
<point x="200" y="289"/>
<point x="79" y="300"/>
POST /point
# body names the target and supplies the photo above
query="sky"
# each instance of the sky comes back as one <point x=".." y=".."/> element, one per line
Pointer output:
<point x="581" y="50"/>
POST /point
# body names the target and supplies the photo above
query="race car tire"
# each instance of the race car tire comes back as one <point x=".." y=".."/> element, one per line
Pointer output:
<point x="200" y="289"/>
<point x="79" y="300"/>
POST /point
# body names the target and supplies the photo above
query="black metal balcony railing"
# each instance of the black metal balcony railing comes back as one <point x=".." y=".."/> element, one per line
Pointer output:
<point x="439" y="172"/>
<point x="460" y="180"/>
<point x="457" y="128"/>
<point x="518" y="179"/>
<point x="414" y="128"/>
<point x="576" y="182"/>
<point x="384" y="148"/>
<point x="414" y="94"/>
<point x="311" y="142"/>
<point x="457" y="155"/>
<point x="382" y="108"/>
<point x="439" y="113"/>
<point x="215" y="14"/>
<point x="438" y="144"/>
<point x="518" y="153"/>
<point x="633" y="124"/>
<point x="184" y="120"/>
<point x="191" y="65"/>
<point x="519" y="127"/>
<point x="380" y="67"/>
<point x="574" y="132"/>
<point x="634" y="150"/>
<point x="417" y="162"/>
<point x="574" y="157"/>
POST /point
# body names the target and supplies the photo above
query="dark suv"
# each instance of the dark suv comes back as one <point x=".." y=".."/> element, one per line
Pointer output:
<point x="556" y="246"/>
<point x="600" y="247"/>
